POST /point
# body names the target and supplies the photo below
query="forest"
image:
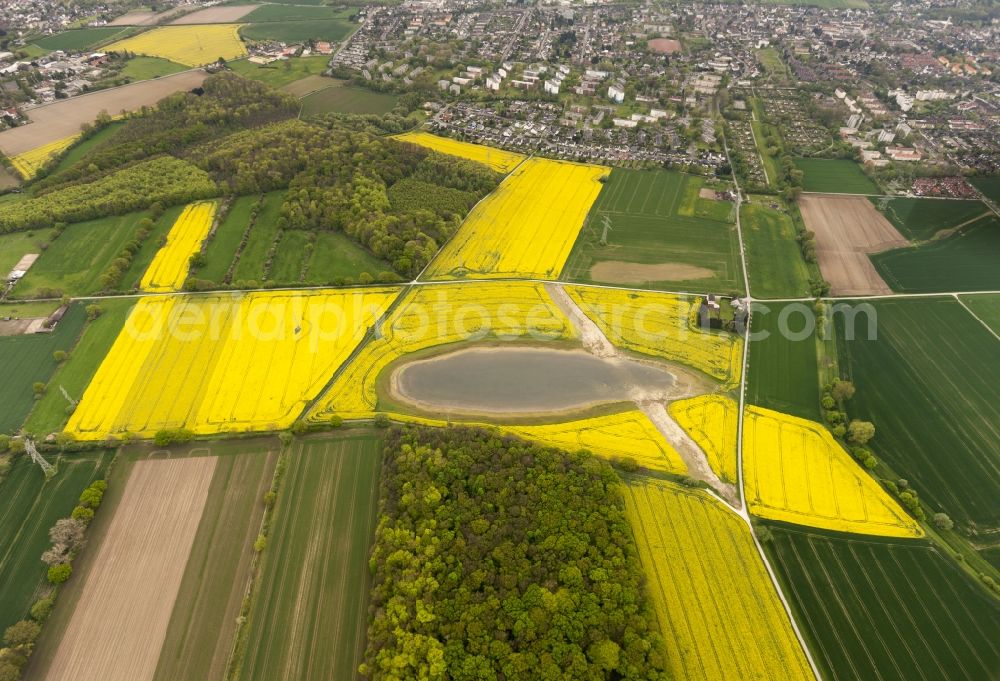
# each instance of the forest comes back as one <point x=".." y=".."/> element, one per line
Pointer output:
<point x="499" y="559"/>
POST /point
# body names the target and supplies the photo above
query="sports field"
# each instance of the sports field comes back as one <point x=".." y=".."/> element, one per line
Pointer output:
<point x="774" y="259"/>
<point x="794" y="471"/>
<point x="929" y="383"/>
<point x="661" y="325"/>
<point x="188" y="45"/>
<point x="836" y="176"/>
<point x="126" y="598"/>
<point x="169" y="268"/>
<point x="651" y="229"/>
<point x="921" y="219"/>
<point x="27" y="359"/>
<point x="782" y="369"/>
<point x="526" y="228"/>
<point x="437" y="315"/>
<point x="31" y="506"/>
<point x="497" y="159"/>
<point x="199" y="638"/>
<point x="309" y="618"/>
<point x="886" y="609"/>
<point x="717" y="608"/>
<point x="224" y="363"/>
<point x="711" y="421"/>
<point x="965" y="261"/>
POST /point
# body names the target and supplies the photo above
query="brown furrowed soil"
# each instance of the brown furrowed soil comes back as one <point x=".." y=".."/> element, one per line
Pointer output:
<point x="216" y="15"/>
<point x="63" y="118"/>
<point x="120" y="620"/>
<point x="847" y="229"/>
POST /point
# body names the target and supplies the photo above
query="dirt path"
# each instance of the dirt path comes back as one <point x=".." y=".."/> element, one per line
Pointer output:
<point x="120" y="622"/>
<point x="594" y="340"/>
<point x="690" y="452"/>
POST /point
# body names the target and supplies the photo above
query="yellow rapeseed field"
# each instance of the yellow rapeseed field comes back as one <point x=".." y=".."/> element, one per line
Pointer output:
<point x="527" y="227"/>
<point x="194" y="45"/>
<point x="662" y="325"/>
<point x="437" y="315"/>
<point x="170" y="265"/>
<point x="30" y="162"/>
<point x="712" y="422"/>
<point x="497" y="159"/>
<point x="224" y="362"/>
<point x="796" y="472"/>
<point x="717" y="608"/>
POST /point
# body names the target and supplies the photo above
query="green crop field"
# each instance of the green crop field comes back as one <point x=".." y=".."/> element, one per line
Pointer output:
<point x="964" y="261"/>
<point x="50" y="414"/>
<point x="280" y="73"/>
<point x="145" y="68"/>
<point x="920" y="219"/>
<point x="31" y="506"/>
<point x="774" y="260"/>
<point x="79" y="39"/>
<point x="345" y="99"/>
<point x="986" y="307"/>
<point x="80" y="150"/>
<point x="335" y="257"/>
<point x="74" y="262"/>
<point x="989" y="186"/>
<point x="27" y="359"/>
<point x="886" y="609"/>
<point x="838" y="176"/>
<point x="783" y="370"/>
<point x="250" y="266"/>
<point x="333" y="30"/>
<point x="225" y="242"/>
<point x="929" y="384"/>
<point x="660" y="236"/>
<point x="309" y="618"/>
<point x="200" y="635"/>
<point x="17" y="244"/>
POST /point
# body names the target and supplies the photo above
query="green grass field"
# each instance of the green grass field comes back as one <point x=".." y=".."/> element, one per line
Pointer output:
<point x="75" y="261"/>
<point x="989" y="186"/>
<point x="145" y="68"/>
<point x="17" y="244"/>
<point x="200" y="635"/>
<point x="79" y="39"/>
<point x="250" y="266"/>
<point x="783" y="372"/>
<point x="837" y="176"/>
<point x="225" y="242"/>
<point x="929" y="384"/>
<point x="921" y="219"/>
<point x="886" y="609"/>
<point x="27" y="359"/>
<point x="30" y="507"/>
<point x="290" y="257"/>
<point x="335" y="256"/>
<point x="964" y="261"/>
<point x="309" y="618"/>
<point x="49" y="414"/>
<point x="277" y="74"/>
<point x="774" y="260"/>
<point x="344" y="99"/>
<point x="333" y="30"/>
<point x="986" y="307"/>
<point x="80" y="150"/>
<point x="772" y="62"/>
<point x="658" y="222"/>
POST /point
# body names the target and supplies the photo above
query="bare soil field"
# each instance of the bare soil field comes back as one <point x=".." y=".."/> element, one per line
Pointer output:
<point x="847" y="229"/>
<point x="226" y="14"/>
<point x="63" y="118"/>
<point x="617" y="272"/>
<point x="120" y="620"/>
<point x="141" y="17"/>
<point x="664" y="45"/>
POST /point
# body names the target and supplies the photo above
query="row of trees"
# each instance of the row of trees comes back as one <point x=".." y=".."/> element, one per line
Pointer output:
<point x="499" y="559"/>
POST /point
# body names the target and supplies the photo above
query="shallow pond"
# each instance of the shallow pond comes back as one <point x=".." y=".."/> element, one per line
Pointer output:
<point x="528" y="380"/>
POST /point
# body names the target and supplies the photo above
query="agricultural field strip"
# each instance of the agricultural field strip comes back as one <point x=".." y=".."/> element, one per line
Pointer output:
<point x="121" y="619"/>
<point x="169" y="268"/>
<point x="977" y="317"/>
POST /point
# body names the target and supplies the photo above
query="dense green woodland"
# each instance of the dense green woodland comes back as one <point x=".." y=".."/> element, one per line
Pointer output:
<point x="236" y="136"/>
<point x="495" y="558"/>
